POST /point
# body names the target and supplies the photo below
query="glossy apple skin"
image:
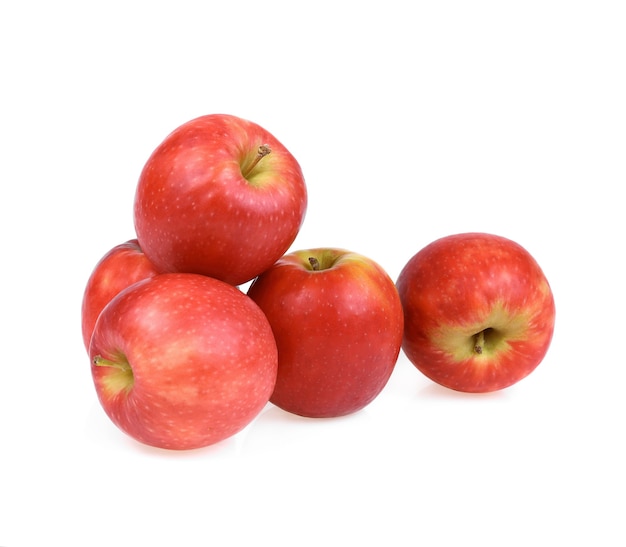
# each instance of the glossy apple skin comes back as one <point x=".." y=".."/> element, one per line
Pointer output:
<point x="203" y="360"/>
<point x="120" y="267"/>
<point x="195" y="212"/>
<point x="463" y="284"/>
<point x="338" y="330"/>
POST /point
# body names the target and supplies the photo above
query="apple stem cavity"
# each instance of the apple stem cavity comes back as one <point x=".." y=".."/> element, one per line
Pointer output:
<point x="121" y="379"/>
<point x="262" y="151"/>
<point x="315" y="264"/>
<point x="480" y="342"/>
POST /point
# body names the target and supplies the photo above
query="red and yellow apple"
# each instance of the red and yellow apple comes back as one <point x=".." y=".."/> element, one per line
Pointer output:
<point x="182" y="361"/>
<point x="220" y="196"/>
<point x="119" y="268"/>
<point x="479" y="312"/>
<point x="337" y="320"/>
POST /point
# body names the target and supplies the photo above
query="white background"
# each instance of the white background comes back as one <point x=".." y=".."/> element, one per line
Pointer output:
<point x="411" y="121"/>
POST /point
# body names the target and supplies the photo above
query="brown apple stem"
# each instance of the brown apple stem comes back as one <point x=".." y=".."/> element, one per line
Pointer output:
<point x="263" y="151"/>
<point x="480" y="342"/>
<point x="100" y="361"/>
<point x="315" y="263"/>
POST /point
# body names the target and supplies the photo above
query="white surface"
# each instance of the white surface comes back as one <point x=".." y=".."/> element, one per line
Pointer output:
<point x="411" y="121"/>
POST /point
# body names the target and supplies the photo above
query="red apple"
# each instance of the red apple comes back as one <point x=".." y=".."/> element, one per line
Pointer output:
<point x="220" y="196"/>
<point x="182" y="361"/>
<point x="119" y="268"/>
<point x="337" y="320"/>
<point x="479" y="312"/>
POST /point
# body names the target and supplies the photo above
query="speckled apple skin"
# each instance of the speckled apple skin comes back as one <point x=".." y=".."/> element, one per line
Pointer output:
<point x="203" y="357"/>
<point x="195" y="212"/>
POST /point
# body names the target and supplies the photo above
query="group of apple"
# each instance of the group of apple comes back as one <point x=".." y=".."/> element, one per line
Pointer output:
<point x="183" y="357"/>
